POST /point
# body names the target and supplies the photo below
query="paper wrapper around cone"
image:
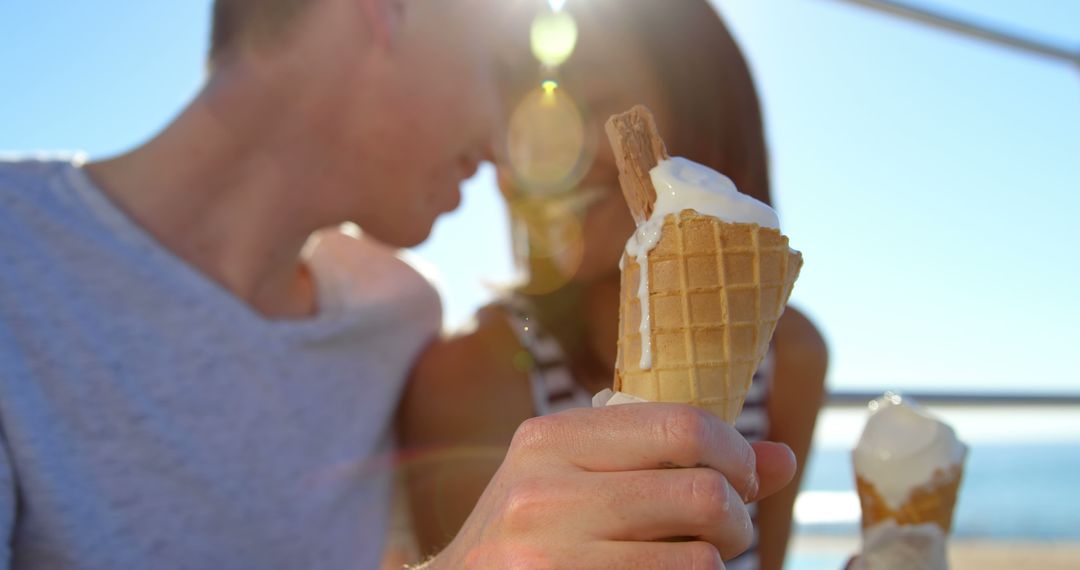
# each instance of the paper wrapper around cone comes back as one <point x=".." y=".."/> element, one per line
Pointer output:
<point x="716" y="291"/>
<point x="930" y="503"/>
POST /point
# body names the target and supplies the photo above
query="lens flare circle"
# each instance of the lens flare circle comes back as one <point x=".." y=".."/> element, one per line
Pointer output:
<point x="553" y="37"/>
<point x="549" y="240"/>
<point x="546" y="142"/>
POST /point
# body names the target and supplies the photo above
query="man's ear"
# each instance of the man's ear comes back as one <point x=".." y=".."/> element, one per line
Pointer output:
<point x="385" y="18"/>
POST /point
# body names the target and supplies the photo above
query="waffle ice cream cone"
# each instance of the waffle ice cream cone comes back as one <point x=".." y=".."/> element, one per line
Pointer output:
<point x="931" y="503"/>
<point x="715" y="290"/>
<point x="909" y="465"/>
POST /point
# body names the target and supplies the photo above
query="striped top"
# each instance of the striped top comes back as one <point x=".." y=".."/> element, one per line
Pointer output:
<point x="554" y="390"/>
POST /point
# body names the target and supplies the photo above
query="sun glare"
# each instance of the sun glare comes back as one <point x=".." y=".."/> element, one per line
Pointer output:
<point x="546" y="141"/>
<point x="556" y="5"/>
<point x="553" y="37"/>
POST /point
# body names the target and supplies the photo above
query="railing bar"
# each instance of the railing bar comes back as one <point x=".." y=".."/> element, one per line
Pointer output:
<point x="859" y="399"/>
<point x="979" y="31"/>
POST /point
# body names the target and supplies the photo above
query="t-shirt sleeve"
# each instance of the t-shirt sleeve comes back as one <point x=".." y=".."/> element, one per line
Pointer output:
<point x="7" y="505"/>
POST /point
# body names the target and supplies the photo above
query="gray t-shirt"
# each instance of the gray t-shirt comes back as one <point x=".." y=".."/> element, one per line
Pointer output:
<point x="150" y="419"/>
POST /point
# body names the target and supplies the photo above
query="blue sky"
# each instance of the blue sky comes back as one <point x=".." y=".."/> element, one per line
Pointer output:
<point x="930" y="180"/>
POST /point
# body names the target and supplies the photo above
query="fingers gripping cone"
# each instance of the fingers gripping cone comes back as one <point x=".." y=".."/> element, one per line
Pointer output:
<point x="715" y="291"/>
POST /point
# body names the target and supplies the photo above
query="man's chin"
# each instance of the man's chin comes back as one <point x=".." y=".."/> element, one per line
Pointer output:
<point x="413" y="235"/>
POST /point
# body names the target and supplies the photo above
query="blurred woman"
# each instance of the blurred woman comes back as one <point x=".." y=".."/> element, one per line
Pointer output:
<point x="550" y="343"/>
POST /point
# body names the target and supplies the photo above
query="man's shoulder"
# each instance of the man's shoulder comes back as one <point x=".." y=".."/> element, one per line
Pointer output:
<point x="21" y="171"/>
<point x="31" y="181"/>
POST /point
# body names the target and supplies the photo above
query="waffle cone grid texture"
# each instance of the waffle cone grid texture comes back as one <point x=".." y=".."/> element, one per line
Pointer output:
<point x="716" y="291"/>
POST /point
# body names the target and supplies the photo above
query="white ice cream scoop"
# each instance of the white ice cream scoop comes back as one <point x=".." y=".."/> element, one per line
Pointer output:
<point x="902" y="446"/>
<point x="683" y="184"/>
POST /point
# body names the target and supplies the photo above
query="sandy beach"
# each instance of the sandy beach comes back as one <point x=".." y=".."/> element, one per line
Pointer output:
<point x="966" y="554"/>
<point x="974" y="554"/>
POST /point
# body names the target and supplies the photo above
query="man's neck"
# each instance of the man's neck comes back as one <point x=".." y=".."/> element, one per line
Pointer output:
<point x="212" y="191"/>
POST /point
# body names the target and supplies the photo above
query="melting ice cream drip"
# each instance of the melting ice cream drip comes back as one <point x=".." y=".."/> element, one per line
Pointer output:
<point x="680" y="185"/>
<point x="902" y="447"/>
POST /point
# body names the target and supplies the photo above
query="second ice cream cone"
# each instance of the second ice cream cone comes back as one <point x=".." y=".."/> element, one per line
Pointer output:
<point x="930" y="503"/>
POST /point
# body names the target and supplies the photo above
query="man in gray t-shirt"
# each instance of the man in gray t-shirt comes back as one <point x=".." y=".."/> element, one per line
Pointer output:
<point x="154" y="420"/>
<point x="195" y="373"/>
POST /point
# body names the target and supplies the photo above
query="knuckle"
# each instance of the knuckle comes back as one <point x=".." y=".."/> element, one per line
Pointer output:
<point x="686" y="430"/>
<point x="702" y="556"/>
<point x="520" y="557"/>
<point x="748" y="478"/>
<point x="710" y="495"/>
<point x="742" y="534"/>
<point x="525" y="504"/>
<point x="508" y="555"/>
<point x="749" y="458"/>
<point x="533" y="433"/>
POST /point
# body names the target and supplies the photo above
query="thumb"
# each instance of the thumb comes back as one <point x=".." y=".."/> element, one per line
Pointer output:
<point x="775" y="467"/>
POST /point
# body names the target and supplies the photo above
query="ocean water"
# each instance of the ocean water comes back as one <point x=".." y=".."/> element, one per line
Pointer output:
<point x="1010" y="491"/>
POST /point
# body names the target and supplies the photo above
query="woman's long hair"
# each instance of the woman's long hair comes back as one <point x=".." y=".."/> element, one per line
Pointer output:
<point x="715" y="113"/>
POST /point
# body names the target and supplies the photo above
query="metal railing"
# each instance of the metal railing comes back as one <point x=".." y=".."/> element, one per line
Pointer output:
<point x="977" y="30"/>
<point x="847" y="399"/>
